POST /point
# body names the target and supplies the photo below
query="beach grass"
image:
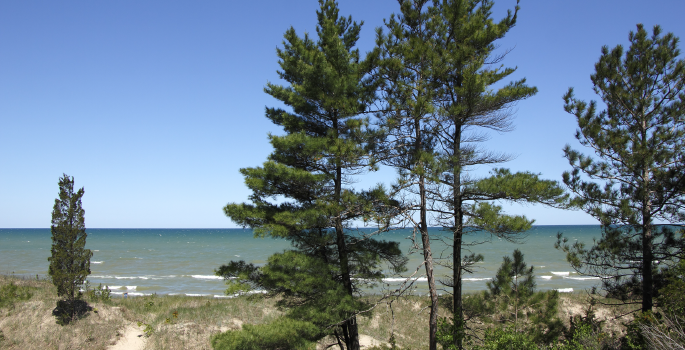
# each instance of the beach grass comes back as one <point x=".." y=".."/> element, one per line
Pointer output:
<point x="189" y="322"/>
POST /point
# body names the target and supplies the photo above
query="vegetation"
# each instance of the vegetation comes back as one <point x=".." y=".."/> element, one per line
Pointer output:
<point x="437" y="86"/>
<point x="435" y="75"/>
<point x="181" y="322"/>
<point x="405" y="62"/>
<point x="639" y="145"/>
<point x="303" y="193"/>
<point x="512" y="301"/>
<point x="70" y="261"/>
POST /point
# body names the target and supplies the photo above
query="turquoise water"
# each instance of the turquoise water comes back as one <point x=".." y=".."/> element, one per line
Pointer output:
<point x="182" y="261"/>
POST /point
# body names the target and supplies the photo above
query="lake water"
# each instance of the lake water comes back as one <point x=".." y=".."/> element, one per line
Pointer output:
<point x="182" y="261"/>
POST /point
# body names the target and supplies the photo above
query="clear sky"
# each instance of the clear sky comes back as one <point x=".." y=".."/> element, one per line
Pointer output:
<point x="153" y="106"/>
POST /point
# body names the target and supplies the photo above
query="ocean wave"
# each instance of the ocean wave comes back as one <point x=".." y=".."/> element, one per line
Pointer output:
<point x="546" y="277"/>
<point x="474" y="279"/>
<point x="132" y="294"/>
<point x="207" y="277"/>
<point x="582" y="278"/>
<point x="402" y="279"/>
<point x="122" y="287"/>
<point x="565" y="290"/>
<point x="197" y="295"/>
<point x="96" y="262"/>
<point x="562" y="273"/>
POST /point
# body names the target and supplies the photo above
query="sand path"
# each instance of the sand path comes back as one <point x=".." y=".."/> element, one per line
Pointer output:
<point x="132" y="338"/>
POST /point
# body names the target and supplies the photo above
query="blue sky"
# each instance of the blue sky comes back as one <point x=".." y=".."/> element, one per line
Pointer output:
<point x="153" y="106"/>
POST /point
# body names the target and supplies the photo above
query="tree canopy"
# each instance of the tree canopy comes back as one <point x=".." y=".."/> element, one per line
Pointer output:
<point x="633" y="184"/>
<point x="303" y="192"/>
<point x="70" y="261"/>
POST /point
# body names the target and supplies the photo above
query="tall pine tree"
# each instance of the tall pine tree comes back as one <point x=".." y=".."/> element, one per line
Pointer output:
<point x="303" y="193"/>
<point x="465" y="69"/>
<point x="639" y="147"/>
<point x="70" y="261"/>
<point x="406" y="55"/>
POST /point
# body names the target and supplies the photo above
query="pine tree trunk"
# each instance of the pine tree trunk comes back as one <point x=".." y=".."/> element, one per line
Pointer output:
<point x="647" y="246"/>
<point x="351" y="324"/>
<point x="428" y="257"/>
<point x="458" y="234"/>
<point x="647" y="260"/>
<point x="425" y="240"/>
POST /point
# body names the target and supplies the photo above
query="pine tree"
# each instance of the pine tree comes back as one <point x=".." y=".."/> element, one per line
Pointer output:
<point x="303" y="193"/>
<point x="639" y="145"/>
<point x="511" y="298"/>
<point x="405" y="64"/>
<point x="465" y="68"/>
<point x="70" y="261"/>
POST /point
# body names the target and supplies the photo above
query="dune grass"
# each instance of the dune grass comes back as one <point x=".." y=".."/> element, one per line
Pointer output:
<point x="183" y="322"/>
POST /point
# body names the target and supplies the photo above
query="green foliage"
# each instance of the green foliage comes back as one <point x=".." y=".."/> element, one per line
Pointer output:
<point x="506" y="339"/>
<point x="671" y="297"/>
<point x="638" y="142"/>
<point x="99" y="293"/>
<point x="635" y="338"/>
<point x="70" y="261"/>
<point x="448" y="330"/>
<point x="512" y="301"/>
<point x="587" y="333"/>
<point x="147" y="330"/>
<point x="11" y="293"/>
<point x="302" y="193"/>
<point x="282" y="333"/>
<point x="440" y="96"/>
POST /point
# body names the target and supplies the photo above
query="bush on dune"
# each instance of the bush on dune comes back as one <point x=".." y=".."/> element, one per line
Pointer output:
<point x="282" y="333"/>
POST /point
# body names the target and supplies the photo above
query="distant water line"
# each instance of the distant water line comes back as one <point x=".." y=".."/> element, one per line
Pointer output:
<point x="182" y="261"/>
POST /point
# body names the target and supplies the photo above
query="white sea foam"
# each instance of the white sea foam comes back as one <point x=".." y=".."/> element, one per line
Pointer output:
<point x="565" y="290"/>
<point x="123" y="287"/>
<point x="474" y="279"/>
<point x="582" y="278"/>
<point x="207" y="277"/>
<point x="395" y="279"/>
<point x="546" y="277"/>
<point x="132" y="294"/>
<point x="97" y="262"/>
<point x="563" y="273"/>
<point x="402" y="279"/>
<point x="197" y="295"/>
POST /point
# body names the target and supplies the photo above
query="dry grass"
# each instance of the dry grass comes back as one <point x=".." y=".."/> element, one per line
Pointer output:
<point x="30" y="324"/>
<point x="181" y="322"/>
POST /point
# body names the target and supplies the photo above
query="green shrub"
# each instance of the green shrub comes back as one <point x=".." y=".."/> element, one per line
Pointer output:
<point x="506" y="339"/>
<point x="282" y="333"/>
<point x="11" y="293"/>
<point x="100" y="293"/>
